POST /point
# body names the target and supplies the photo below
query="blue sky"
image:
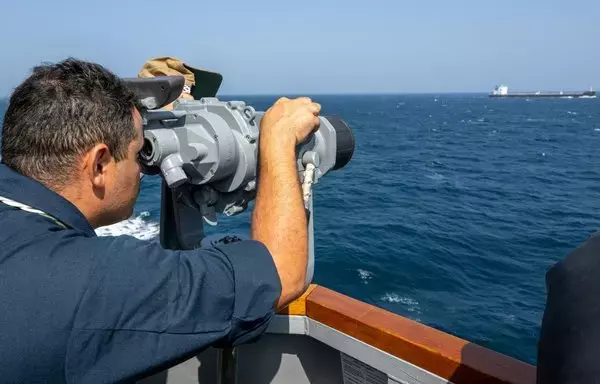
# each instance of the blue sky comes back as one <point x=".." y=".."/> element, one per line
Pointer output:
<point x="270" y="47"/>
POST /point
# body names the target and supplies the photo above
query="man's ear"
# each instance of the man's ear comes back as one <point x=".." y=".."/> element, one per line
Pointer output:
<point x="96" y="164"/>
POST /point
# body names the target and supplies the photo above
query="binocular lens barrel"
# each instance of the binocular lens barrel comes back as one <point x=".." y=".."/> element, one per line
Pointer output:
<point x="345" y="142"/>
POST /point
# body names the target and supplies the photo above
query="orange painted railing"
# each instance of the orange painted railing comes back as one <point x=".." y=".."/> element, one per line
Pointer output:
<point x="450" y="357"/>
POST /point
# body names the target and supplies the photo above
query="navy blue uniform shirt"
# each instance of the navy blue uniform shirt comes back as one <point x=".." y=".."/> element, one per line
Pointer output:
<point x="80" y="308"/>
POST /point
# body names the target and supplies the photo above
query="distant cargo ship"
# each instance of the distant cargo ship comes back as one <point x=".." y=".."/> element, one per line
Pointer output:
<point x="502" y="91"/>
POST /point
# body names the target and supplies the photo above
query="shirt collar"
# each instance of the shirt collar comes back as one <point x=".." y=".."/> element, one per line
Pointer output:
<point x="23" y="189"/>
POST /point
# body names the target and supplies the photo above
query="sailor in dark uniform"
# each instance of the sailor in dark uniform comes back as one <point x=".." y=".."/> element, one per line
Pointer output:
<point x="78" y="308"/>
<point x="569" y="345"/>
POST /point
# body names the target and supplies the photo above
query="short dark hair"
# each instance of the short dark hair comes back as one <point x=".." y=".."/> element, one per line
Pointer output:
<point x="59" y="113"/>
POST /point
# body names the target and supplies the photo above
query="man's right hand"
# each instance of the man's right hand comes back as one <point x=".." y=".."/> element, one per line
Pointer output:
<point x="290" y="121"/>
<point x="279" y="218"/>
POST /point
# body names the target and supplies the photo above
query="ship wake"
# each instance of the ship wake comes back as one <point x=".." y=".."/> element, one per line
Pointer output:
<point x="138" y="226"/>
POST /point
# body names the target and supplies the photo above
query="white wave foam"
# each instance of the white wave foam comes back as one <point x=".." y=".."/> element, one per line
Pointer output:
<point x="394" y="298"/>
<point x="435" y="176"/>
<point x="364" y="275"/>
<point x="413" y="305"/>
<point x="139" y="227"/>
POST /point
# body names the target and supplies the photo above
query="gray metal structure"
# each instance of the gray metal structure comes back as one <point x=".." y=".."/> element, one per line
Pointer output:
<point x="300" y="350"/>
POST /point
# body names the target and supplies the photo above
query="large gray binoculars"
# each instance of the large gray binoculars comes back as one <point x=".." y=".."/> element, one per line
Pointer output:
<point x="212" y="146"/>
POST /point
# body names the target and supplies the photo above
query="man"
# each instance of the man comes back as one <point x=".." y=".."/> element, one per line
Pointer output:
<point x="199" y="83"/>
<point x="77" y="308"/>
<point x="568" y="350"/>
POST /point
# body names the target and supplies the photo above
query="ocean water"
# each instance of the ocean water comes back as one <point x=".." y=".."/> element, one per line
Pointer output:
<point x="451" y="210"/>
